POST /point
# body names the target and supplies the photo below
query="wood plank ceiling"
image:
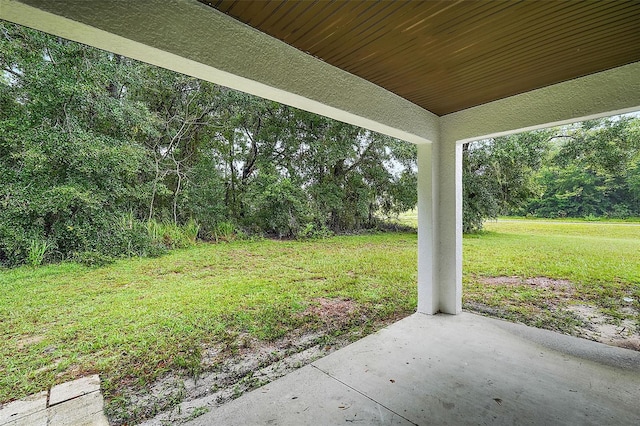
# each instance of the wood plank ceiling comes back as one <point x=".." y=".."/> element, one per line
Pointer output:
<point x="446" y="56"/>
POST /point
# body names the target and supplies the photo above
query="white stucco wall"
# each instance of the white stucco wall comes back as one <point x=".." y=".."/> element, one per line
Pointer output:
<point x="197" y="40"/>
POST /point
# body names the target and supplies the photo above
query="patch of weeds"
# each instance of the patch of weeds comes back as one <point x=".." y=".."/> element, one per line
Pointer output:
<point x="140" y="405"/>
<point x="37" y="251"/>
<point x="190" y="361"/>
<point x="197" y="412"/>
<point x="117" y="408"/>
<point x="561" y="320"/>
<point x="237" y="392"/>
<point x="93" y="259"/>
<point x="614" y="315"/>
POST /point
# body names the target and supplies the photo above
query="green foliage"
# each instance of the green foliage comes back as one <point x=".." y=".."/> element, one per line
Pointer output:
<point x="92" y="259"/>
<point x="588" y="170"/>
<point x="277" y="206"/>
<point x="105" y="155"/>
<point x="37" y="252"/>
<point x="311" y="231"/>
<point x="172" y="236"/>
<point x="498" y="175"/>
<point x="593" y="171"/>
<point x="225" y="231"/>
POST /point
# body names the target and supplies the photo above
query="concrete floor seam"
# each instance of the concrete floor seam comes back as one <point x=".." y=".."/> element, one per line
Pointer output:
<point x="363" y="394"/>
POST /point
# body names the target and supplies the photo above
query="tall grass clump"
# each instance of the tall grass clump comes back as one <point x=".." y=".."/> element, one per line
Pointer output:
<point x="37" y="252"/>
<point x="173" y="236"/>
<point x="224" y="231"/>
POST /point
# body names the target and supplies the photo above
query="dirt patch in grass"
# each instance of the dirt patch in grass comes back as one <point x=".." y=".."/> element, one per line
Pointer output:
<point x="555" y="305"/>
<point x="174" y="400"/>
<point x="605" y="329"/>
<point x="331" y="311"/>
<point x="537" y="282"/>
<point x="28" y="341"/>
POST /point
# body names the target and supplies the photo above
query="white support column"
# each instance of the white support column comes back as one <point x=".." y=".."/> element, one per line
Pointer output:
<point x="440" y="228"/>
<point x="428" y="294"/>
<point x="448" y="226"/>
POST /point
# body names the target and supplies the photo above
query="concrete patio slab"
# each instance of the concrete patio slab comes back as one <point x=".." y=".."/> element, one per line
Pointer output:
<point x="86" y="410"/>
<point x="38" y="418"/>
<point x="463" y="369"/>
<point x="17" y="410"/>
<point x="307" y="393"/>
<point x="28" y="411"/>
<point x="70" y="390"/>
<point x="76" y="403"/>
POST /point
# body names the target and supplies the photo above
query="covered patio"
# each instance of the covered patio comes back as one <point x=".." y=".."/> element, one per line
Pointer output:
<point x="445" y="369"/>
<point x="436" y="74"/>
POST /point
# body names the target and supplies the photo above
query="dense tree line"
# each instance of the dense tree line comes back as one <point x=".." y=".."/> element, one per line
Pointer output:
<point x="104" y="155"/>
<point x="590" y="169"/>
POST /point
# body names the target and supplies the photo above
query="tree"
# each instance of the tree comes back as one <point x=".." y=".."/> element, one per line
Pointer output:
<point x="593" y="171"/>
<point x="69" y="147"/>
<point x="498" y="175"/>
<point x="94" y="145"/>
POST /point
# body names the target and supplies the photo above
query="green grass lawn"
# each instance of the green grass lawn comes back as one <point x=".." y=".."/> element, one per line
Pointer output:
<point x="138" y="319"/>
<point x="600" y="261"/>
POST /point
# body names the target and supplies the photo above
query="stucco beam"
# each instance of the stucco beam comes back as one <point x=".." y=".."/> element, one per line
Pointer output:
<point x="191" y="38"/>
<point x="614" y="91"/>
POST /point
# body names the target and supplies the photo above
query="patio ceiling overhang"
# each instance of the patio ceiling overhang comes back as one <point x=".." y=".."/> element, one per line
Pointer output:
<point x="431" y="73"/>
<point x="393" y="67"/>
<point x="446" y="56"/>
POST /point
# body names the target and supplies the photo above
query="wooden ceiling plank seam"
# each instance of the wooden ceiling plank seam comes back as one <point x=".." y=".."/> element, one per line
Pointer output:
<point x="343" y="35"/>
<point x="309" y="36"/>
<point x="224" y="5"/>
<point x="361" y="43"/>
<point x="276" y="18"/>
<point x="367" y="25"/>
<point x="460" y="19"/>
<point x="256" y="10"/>
<point x="293" y="26"/>
<point x="324" y="34"/>
<point x="275" y="6"/>
<point x="416" y="16"/>
<point x="238" y="8"/>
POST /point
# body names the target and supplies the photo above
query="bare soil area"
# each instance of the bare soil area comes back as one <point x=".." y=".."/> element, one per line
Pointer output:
<point x="605" y="329"/>
<point x="564" y="313"/>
